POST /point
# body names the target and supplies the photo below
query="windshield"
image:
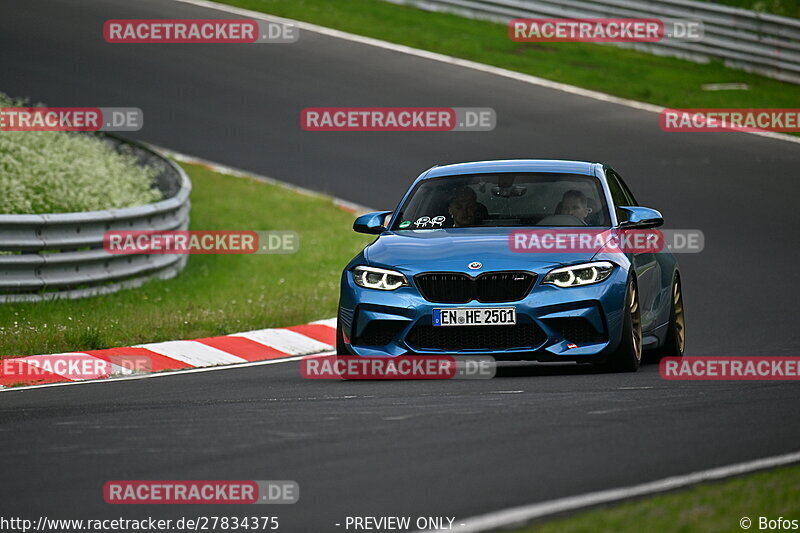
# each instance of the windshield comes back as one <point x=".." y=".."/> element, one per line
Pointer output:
<point x="504" y="200"/>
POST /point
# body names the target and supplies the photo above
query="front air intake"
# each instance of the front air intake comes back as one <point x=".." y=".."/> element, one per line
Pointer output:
<point x="460" y="288"/>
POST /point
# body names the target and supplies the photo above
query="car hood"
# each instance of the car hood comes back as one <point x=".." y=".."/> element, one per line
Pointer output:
<point x="454" y="249"/>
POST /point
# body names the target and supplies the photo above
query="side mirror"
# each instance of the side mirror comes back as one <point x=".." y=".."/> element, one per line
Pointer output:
<point x="639" y="217"/>
<point x="371" y="223"/>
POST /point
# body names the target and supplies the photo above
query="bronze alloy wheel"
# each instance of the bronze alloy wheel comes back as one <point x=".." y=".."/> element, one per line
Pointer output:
<point x="680" y="320"/>
<point x="636" y="322"/>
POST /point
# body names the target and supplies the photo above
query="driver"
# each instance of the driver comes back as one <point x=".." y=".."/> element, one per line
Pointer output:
<point x="574" y="203"/>
<point x="464" y="208"/>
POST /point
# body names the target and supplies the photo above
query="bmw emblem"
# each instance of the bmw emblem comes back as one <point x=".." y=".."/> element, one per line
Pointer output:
<point x="475" y="265"/>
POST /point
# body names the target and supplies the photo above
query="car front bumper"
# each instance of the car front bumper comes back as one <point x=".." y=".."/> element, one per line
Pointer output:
<point x="552" y="323"/>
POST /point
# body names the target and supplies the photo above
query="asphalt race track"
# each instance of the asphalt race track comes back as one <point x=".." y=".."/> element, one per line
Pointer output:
<point x="404" y="448"/>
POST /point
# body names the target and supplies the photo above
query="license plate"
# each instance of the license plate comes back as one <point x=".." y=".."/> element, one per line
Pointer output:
<point x="475" y="316"/>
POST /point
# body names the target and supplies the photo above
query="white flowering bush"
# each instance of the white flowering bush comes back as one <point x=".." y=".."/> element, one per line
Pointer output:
<point x="61" y="172"/>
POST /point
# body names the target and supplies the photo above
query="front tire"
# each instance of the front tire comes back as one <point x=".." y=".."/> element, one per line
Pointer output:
<point x="628" y="355"/>
<point x="341" y="348"/>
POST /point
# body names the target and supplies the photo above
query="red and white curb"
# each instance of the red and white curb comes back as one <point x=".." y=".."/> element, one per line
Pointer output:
<point x="315" y="338"/>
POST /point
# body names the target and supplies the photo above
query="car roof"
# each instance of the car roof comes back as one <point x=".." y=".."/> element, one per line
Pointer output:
<point x="513" y="165"/>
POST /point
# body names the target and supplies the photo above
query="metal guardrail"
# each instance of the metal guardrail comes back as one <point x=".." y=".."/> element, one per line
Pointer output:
<point x="755" y="42"/>
<point x="61" y="255"/>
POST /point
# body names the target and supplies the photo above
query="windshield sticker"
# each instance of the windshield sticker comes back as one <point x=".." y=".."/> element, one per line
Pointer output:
<point x="405" y="224"/>
<point x="422" y="222"/>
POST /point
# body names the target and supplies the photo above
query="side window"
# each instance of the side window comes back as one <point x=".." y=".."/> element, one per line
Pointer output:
<point x="617" y="192"/>
<point x="625" y="190"/>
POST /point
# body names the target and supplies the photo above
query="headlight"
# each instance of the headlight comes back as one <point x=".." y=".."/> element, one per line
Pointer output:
<point x="576" y="275"/>
<point x="378" y="278"/>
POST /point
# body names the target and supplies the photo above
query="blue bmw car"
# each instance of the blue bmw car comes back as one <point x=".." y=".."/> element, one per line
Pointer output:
<point x="444" y="276"/>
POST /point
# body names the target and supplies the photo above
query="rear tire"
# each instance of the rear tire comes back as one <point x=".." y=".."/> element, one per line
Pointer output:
<point x="628" y="355"/>
<point x="675" y="343"/>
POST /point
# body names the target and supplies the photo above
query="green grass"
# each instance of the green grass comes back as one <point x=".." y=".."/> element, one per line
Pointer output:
<point x="215" y="294"/>
<point x="708" y="508"/>
<point x="786" y="8"/>
<point x="609" y="69"/>
<point x="61" y="172"/>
